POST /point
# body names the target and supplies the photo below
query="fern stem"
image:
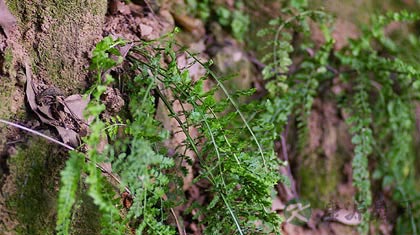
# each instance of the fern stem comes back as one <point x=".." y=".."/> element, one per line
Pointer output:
<point x="216" y="148"/>
<point x="196" y="150"/>
<point x="233" y="102"/>
<point x="238" y="226"/>
<point x="226" y="139"/>
<point x="181" y="124"/>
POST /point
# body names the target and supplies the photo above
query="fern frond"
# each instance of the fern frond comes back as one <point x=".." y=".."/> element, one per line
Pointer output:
<point x="70" y="177"/>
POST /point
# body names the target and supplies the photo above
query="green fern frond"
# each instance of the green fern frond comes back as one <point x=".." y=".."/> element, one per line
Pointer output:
<point x="70" y="177"/>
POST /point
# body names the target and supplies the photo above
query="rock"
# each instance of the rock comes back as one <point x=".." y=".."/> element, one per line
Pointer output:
<point x="146" y="31"/>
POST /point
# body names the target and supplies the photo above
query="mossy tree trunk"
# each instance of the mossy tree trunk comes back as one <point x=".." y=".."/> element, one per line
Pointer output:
<point x="53" y="37"/>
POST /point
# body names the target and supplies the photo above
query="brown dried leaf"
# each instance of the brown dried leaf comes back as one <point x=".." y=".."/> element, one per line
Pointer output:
<point x="75" y="105"/>
<point x="68" y="136"/>
<point x="46" y="109"/>
<point x="30" y="89"/>
<point x="73" y="109"/>
<point x="7" y="20"/>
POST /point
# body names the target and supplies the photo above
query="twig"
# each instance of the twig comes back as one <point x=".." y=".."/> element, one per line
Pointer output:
<point x="66" y="146"/>
<point x="37" y="133"/>
<point x="181" y="229"/>
<point x="149" y="5"/>
<point x="289" y="172"/>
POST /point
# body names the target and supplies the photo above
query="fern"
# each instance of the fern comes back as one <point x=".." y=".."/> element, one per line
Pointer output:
<point x="367" y="62"/>
<point x="224" y="158"/>
<point x="70" y="177"/>
<point x="141" y="163"/>
<point x="98" y="190"/>
<point x="142" y="169"/>
<point x="361" y="65"/>
<point x="362" y="140"/>
<point x="299" y="87"/>
<point x="235" y="144"/>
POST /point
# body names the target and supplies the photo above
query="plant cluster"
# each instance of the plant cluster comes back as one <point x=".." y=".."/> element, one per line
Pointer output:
<point x="235" y="154"/>
<point x="379" y="97"/>
<point x="234" y="148"/>
<point x="236" y="20"/>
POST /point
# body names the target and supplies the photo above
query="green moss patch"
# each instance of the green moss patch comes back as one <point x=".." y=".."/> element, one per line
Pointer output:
<point x="59" y="36"/>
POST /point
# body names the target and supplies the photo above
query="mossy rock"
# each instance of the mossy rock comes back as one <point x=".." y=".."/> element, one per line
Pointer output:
<point x="31" y="192"/>
<point x="58" y="36"/>
<point x="319" y="179"/>
<point x="33" y="184"/>
<point x="55" y="37"/>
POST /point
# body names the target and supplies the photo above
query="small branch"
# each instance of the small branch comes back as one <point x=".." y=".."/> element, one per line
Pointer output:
<point x="38" y="134"/>
<point x="181" y="229"/>
<point x="116" y="178"/>
<point x="289" y="172"/>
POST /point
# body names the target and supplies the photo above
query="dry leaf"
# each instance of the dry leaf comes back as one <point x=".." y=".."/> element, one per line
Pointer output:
<point x="68" y="136"/>
<point x="75" y="104"/>
<point x="7" y="20"/>
<point x="30" y="89"/>
<point x="45" y="109"/>
<point x="66" y="115"/>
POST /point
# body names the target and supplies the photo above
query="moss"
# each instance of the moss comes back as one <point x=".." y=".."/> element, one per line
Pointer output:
<point x="11" y="96"/>
<point x="8" y="60"/>
<point x="319" y="177"/>
<point x="59" y="35"/>
<point x="86" y="216"/>
<point x="6" y="89"/>
<point x="35" y="176"/>
<point x="7" y="84"/>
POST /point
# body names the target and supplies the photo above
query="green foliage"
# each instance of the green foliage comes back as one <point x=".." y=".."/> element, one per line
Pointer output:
<point x="142" y="168"/>
<point x="381" y="84"/>
<point x="362" y="139"/>
<point x="101" y="193"/>
<point x="201" y="9"/>
<point x="235" y="20"/>
<point x="234" y="144"/>
<point x="70" y="177"/>
<point x="393" y="130"/>
<point x="237" y="158"/>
